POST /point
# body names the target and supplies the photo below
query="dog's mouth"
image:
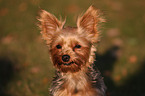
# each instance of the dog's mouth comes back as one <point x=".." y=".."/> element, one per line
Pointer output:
<point x="71" y="66"/>
<point x="68" y="63"/>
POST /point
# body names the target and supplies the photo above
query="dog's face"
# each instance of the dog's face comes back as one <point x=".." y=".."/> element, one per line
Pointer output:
<point x="70" y="48"/>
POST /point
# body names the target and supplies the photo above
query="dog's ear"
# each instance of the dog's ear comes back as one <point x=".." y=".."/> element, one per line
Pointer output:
<point x="87" y="24"/>
<point x="49" y="25"/>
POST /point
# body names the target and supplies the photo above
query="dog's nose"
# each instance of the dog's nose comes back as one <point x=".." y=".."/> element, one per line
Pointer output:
<point x="65" y="58"/>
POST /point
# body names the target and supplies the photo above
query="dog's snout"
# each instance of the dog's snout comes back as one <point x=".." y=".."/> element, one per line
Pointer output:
<point x="65" y="58"/>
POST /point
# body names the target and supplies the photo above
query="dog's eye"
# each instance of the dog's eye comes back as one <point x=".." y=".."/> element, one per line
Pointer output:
<point x="58" y="46"/>
<point x="78" y="46"/>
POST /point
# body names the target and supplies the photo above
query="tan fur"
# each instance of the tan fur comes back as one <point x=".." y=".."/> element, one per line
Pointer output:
<point x="76" y="81"/>
<point x="49" y="25"/>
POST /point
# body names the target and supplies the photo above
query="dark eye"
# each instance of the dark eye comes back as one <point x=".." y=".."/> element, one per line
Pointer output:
<point x="78" y="46"/>
<point x="58" y="46"/>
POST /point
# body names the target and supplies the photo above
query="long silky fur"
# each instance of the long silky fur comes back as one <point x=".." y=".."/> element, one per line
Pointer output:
<point x="93" y="74"/>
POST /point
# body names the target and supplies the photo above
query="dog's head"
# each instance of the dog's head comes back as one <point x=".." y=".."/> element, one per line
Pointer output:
<point x="71" y="48"/>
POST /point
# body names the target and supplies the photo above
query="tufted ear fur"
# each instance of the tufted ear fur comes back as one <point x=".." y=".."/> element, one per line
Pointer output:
<point x="87" y="24"/>
<point x="49" y="25"/>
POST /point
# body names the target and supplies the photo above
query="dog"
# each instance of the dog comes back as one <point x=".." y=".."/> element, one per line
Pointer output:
<point x="72" y="51"/>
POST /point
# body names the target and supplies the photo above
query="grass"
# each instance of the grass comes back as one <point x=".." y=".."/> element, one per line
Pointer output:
<point x="25" y="67"/>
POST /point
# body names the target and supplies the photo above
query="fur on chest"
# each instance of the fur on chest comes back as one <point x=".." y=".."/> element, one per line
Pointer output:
<point x="78" y="84"/>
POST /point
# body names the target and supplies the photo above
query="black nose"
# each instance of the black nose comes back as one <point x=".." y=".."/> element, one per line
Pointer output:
<point x="65" y="58"/>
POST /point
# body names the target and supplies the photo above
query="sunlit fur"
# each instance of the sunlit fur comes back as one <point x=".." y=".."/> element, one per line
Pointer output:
<point x="77" y="76"/>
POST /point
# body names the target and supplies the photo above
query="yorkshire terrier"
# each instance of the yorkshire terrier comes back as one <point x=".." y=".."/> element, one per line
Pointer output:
<point x="72" y="52"/>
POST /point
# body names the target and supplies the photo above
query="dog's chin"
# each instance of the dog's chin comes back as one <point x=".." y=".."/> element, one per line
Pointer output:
<point x="67" y="63"/>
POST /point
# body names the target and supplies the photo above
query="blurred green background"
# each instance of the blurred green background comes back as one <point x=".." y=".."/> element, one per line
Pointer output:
<point x="25" y="67"/>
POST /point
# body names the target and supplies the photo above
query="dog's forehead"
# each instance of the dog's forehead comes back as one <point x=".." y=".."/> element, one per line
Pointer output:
<point x="69" y="35"/>
<point x="72" y="30"/>
<point x="69" y="32"/>
<point x="65" y="36"/>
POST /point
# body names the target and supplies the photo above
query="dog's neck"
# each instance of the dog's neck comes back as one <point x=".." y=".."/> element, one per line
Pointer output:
<point x="75" y="81"/>
<point x="75" y="84"/>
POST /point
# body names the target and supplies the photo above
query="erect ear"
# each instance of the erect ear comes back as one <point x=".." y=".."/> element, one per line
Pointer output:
<point x="87" y="24"/>
<point x="49" y="25"/>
